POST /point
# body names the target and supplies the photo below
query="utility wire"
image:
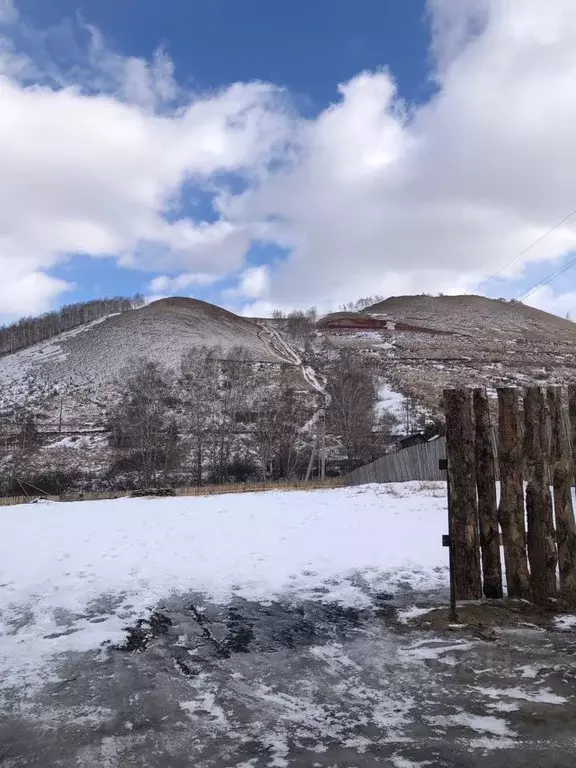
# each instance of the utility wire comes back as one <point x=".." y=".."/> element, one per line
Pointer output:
<point x="545" y="280"/>
<point x="528" y="248"/>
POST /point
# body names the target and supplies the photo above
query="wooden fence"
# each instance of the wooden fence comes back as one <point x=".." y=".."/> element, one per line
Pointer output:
<point x="536" y="446"/>
<point x="194" y="490"/>
<point x="419" y="462"/>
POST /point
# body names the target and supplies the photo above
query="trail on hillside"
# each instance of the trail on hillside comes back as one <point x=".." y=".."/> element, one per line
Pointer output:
<point x="289" y="355"/>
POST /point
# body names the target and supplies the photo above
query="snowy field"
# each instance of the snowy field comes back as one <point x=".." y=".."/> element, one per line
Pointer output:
<point x="264" y="630"/>
<point x="332" y="545"/>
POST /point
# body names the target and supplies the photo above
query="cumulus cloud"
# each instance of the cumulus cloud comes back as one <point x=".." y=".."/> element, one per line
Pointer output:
<point x="251" y="294"/>
<point x="255" y="282"/>
<point x="172" y="285"/>
<point x="28" y="292"/>
<point x="383" y="197"/>
<point x="563" y="304"/>
<point x="102" y="173"/>
<point x="149" y="84"/>
<point x="373" y="195"/>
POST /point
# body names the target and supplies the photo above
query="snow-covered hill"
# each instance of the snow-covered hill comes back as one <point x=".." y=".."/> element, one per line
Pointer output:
<point x="83" y="363"/>
<point x="414" y="345"/>
<point x="425" y="343"/>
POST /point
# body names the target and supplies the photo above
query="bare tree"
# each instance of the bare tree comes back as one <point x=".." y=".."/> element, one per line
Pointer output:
<point x="352" y="411"/>
<point x="300" y="325"/>
<point x="363" y="303"/>
<point x="32" y="330"/>
<point x="236" y="388"/>
<point x="216" y="388"/>
<point x="200" y="396"/>
<point x="266" y="431"/>
<point x="278" y="419"/>
<point x="142" y="424"/>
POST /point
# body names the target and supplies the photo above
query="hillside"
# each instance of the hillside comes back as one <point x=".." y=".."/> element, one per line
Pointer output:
<point x="382" y="368"/>
<point x="425" y="343"/>
<point x="82" y="364"/>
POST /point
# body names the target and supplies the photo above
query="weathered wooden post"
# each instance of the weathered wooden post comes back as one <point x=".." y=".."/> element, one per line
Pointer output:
<point x="487" y="504"/>
<point x="322" y="440"/>
<point x="541" y="536"/>
<point x="511" y="508"/>
<point x="463" y="501"/>
<point x="560" y="461"/>
<point x="572" y="419"/>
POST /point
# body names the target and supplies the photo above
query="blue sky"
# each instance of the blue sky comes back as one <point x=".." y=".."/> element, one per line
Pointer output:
<point x="395" y="147"/>
<point x="307" y="47"/>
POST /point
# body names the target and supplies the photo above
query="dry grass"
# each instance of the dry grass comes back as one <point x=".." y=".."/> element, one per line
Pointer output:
<point x="204" y="490"/>
<point x="486" y="614"/>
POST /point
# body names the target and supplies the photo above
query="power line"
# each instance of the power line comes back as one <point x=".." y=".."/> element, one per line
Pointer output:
<point x="526" y="294"/>
<point x="528" y="248"/>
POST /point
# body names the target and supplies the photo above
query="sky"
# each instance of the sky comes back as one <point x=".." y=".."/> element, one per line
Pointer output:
<point x="263" y="155"/>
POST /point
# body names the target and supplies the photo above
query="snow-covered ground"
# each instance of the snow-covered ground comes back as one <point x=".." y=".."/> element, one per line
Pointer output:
<point x="265" y="633"/>
<point x="333" y="545"/>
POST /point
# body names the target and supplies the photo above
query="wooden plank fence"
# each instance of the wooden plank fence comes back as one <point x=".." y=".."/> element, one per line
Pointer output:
<point x="419" y="462"/>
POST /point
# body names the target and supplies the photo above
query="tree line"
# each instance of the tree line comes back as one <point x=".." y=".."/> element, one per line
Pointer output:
<point x="32" y="330"/>
<point x="223" y="417"/>
<point x="219" y="417"/>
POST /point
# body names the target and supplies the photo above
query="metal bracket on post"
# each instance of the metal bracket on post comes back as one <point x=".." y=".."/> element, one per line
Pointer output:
<point x="448" y="541"/>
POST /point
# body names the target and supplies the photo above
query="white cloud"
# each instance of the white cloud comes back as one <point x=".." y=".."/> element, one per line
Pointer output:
<point x="172" y="285"/>
<point x="559" y="304"/>
<point x="30" y="293"/>
<point x="372" y="196"/>
<point x="150" y="84"/>
<point x="99" y="175"/>
<point x="254" y="282"/>
<point x="256" y="309"/>
<point x="103" y="173"/>
<point x="8" y="12"/>
<point x="383" y="198"/>
<point x="250" y="296"/>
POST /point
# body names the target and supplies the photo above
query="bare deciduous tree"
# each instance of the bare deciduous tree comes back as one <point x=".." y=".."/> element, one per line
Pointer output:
<point x="32" y="330"/>
<point x="142" y="424"/>
<point x="351" y="415"/>
<point x="199" y="379"/>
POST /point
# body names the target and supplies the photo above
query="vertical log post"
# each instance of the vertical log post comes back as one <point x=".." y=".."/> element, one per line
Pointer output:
<point x="560" y="460"/>
<point x="572" y="418"/>
<point x="487" y="505"/>
<point x="511" y="509"/>
<point x="463" y="502"/>
<point x="322" y="440"/>
<point x="541" y="536"/>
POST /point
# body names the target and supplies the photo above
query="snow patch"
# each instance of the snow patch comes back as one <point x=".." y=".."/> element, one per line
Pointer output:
<point x="542" y="696"/>
<point x="65" y="564"/>
<point x="565" y="623"/>
<point x="434" y="650"/>
<point x="406" y="614"/>
<point x="481" y="723"/>
<point x="391" y="401"/>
